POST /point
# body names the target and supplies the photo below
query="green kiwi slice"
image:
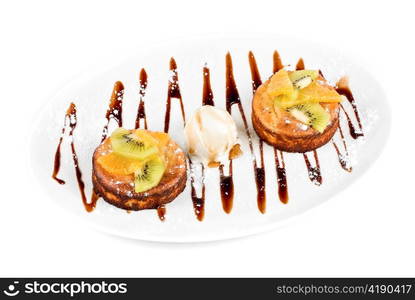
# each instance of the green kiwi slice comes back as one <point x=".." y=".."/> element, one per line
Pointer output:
<point x="303" y="78"/>
<point x="311" y="114"/>
<point x="131" y="145"/>
<point x="149" y="175"/>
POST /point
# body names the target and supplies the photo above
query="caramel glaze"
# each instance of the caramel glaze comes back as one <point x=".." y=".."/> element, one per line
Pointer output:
<point x="141" y="112"/>
<point x="259" y="171"/>
<point x="173" y="92"/>
<point x="115" y="108"/>
<point x="71" y="121"/>
<point x="279" y="162"/>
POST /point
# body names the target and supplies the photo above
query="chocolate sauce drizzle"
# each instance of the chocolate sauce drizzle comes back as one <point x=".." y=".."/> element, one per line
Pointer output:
<point x="198" y="202"/>
<point x="173" y="92"/>
<point x="141" y="115"/>
<point x="260" y="180"/>
<point x="226" y="188"/>
<point x="353" y="132"/>
<point x="345" y="91"/>
<point x="161" y="212"/>
<point x="343" y="158"/>
<point x="91" y="206"/>
<point x="141" y="112"/>
<point x="57" y="161"/>
<point x="314" y="173"/>
<point x="115" y="108"/>
<point x="279" y="162"/>
<point x="281" y="176"/>
<point x="300" y="65"/>
<point x="225" y="181"/>
<point x="207" y="97"/>
<point x="259" y="171"/>
<point x="71" y="121"/>
<point x="277" y="63"/>
<point x="232" y="97"/>
<point x="255" y="76"/>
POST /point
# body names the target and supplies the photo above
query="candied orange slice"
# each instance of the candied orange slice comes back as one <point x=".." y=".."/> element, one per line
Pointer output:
<point x="280" y="84"/>
<point x="145" y="136"/>
<point x="119" y="165"/>
<point x="317" y="92"/>
<point x="161" y="138"/>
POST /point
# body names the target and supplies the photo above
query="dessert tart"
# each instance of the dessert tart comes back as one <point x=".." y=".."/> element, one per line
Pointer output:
<point x="296" y="111"/>
<point x="138" y="169"/>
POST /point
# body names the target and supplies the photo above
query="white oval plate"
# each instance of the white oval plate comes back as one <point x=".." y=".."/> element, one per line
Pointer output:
<point x="91" y="93"/>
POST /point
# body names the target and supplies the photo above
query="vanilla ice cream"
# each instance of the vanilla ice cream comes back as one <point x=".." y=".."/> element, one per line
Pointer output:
<point x="210" y="134"/>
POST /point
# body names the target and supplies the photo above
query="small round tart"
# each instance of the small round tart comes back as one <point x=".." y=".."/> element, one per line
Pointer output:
<point x="119" y="189"/>
<point x="280" y="129"/>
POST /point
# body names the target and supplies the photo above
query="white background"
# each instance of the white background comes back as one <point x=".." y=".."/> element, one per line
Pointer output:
<point x="367" y="230"/>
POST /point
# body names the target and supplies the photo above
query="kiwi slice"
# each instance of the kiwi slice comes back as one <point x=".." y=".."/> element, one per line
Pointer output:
<point x="149" y="175"/>
<point x="285" y="101"/>
<point x="311" y="114"/>
<point x="133" y="144"/>
<point x="303" y="78"/>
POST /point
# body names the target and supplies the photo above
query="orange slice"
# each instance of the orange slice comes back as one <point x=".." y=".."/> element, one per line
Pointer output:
<point x="161" y="138"/>
<point x="316" y="92"/>
<point x="119" y="165"/>
<point x="280" y="84"/>
<point x="313" y="93"/>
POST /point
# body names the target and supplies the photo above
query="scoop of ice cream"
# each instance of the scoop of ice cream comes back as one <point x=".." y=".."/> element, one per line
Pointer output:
<point x="210" y="134"/>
